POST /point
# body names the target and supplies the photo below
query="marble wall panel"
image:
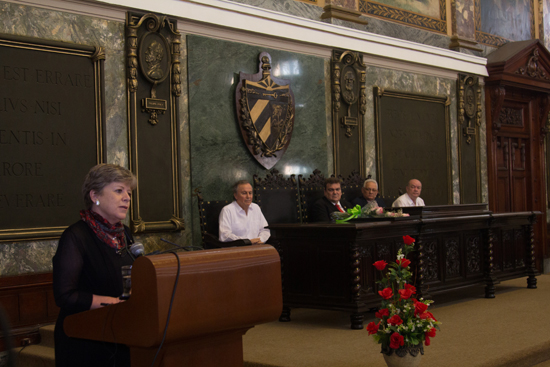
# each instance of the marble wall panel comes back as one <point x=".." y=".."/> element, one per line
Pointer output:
<point x="411" y="83"/>
<point x="187" y="208"/>
<point x="292" y="7"/>
<point x="218" y="154"/>
<point x="379" y="26"/>
<point x="483" y="152"/>
<point x="375" y="25"/>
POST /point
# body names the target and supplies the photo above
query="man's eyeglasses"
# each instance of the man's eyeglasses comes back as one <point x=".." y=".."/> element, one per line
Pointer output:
<point x="371" y="190"/>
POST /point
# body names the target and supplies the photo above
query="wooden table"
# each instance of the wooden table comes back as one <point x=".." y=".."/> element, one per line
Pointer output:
<point x="329" y="266"/>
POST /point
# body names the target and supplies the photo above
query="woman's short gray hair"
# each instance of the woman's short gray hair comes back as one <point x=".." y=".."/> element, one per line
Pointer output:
<point x="102" y="175"/>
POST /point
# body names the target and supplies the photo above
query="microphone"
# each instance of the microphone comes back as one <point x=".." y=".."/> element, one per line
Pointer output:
<point x="137" y="249"/>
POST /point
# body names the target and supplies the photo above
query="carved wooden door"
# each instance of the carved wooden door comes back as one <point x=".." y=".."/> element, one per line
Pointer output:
<point x="512" y="174"/>
<point x="512" y="162"/>
<point x="518" y="104"/>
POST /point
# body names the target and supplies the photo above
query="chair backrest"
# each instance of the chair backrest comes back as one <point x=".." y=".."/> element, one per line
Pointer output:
<point x="278" y="197"/>
<point x="389" y="199"/>
<point x="310" y="191"/>
<point x="351" y="186"/>
<point x="209" y="213"/>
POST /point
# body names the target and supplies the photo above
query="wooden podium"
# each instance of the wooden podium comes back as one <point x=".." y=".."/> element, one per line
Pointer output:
<point x="219" y="296"/>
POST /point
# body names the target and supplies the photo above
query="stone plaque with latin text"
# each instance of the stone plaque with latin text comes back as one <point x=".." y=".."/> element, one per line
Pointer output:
<point x="50" y="133"/>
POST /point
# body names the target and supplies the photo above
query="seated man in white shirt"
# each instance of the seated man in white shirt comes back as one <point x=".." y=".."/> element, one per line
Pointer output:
<point x="411" y="197"/>
<point x="242" y="219"/>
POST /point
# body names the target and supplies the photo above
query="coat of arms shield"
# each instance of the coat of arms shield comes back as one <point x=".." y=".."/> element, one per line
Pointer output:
<point x="265" y="113"/>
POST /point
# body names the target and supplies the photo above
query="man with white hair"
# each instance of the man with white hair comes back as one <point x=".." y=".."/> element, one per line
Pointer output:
<point x="369" y="191"/>
<point x="411" y="197"/>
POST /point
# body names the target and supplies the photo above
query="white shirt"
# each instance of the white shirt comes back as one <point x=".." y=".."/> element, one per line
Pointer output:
<point x="405" y="200"/>
<point x="235" y="224"/>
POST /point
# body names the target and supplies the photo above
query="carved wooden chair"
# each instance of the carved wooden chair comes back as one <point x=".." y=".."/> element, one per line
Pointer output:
<point x="310" y="191"/>
<point x="351" y="186"/>
<point x="278" y="197"/>
<point x="389" y="199"/>
<point x="209" y="213"/>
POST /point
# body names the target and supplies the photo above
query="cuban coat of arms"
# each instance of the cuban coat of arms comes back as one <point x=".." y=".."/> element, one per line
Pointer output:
<point x="265" y="113"/>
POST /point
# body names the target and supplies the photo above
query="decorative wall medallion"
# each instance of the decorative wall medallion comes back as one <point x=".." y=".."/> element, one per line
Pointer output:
<point x="469" y="105"/>
<point x="155" y="62"/>
<point x="265" y="113"/>
<point x="349" y="104"/>
<point x="154" y="85"/>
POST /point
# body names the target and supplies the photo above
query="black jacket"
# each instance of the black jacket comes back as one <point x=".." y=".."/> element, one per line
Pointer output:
<point x="321" y="209"/>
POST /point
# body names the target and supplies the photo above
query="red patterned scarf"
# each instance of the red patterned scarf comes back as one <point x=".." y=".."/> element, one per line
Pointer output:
<point x="111" y="234"/>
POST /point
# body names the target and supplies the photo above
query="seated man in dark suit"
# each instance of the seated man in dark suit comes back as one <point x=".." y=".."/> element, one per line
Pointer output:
<point x="369" y="191"/>
<point x="331" y="202"/>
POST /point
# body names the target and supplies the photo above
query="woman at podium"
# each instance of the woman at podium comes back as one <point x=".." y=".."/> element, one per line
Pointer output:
<point x="87" y="264"/>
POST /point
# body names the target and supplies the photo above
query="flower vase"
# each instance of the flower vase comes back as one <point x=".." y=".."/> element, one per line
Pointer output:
<point x="404" y="356"/>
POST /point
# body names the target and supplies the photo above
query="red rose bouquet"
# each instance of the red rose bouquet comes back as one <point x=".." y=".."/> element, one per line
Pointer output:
<point x="402" y="320"/>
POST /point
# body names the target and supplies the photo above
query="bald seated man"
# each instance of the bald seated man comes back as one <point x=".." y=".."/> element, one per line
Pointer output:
<point x="242" y="219"/>
<point x="411" y="197"/>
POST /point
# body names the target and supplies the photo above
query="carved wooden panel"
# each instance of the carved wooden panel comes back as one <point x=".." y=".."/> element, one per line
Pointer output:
<point x="473" y="254"/>
<point x="511" y="117"/>
<point x="512" y="174"/>
<point x="453" y="259"/>
<point x="431" y="260"/>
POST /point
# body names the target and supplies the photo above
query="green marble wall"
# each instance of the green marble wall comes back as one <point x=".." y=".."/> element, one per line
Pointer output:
<point x="219" y="156"/>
